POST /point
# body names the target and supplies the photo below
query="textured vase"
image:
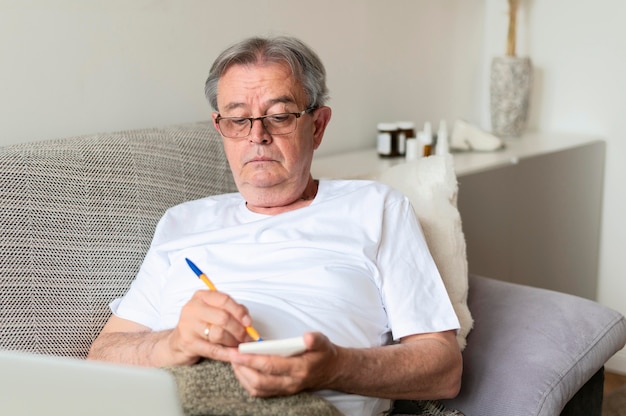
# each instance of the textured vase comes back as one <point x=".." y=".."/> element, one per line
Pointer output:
<point x="511" y="81"/>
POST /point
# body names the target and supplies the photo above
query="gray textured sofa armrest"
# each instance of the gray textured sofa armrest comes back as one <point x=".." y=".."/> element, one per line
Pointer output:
<point x="532" y="349"/>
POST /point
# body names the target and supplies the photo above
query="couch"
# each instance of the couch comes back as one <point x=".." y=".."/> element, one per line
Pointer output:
<point x="77" y="215"/>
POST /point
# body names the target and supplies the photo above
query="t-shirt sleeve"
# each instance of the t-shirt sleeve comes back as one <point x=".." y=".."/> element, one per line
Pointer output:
<point x="413" y="292"/>
<point x="141" y="303"/>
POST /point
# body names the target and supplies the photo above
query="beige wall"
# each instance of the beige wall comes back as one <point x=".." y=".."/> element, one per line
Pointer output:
<point x="70" y="67"/>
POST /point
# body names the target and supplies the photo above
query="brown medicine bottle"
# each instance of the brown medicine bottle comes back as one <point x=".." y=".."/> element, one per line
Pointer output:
<point x="387" y="143"/>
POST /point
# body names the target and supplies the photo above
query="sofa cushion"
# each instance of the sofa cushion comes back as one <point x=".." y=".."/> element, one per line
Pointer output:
<point x="78" y="215"/>
<point x="532" y="349"/>
<point x="431" y="186"/>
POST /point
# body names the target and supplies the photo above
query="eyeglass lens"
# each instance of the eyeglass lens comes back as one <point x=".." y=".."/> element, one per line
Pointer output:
<point x="277" y="124"/>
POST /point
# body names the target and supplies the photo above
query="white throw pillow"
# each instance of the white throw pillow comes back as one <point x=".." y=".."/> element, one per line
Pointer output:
<point x="431" y="185"/>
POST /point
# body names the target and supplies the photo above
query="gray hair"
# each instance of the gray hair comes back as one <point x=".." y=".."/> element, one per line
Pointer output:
<point x="305" y="65"/>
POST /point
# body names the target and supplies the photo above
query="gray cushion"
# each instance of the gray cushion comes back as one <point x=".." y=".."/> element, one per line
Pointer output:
<point x="76" y="217"/>
<point x="532" y="349"/>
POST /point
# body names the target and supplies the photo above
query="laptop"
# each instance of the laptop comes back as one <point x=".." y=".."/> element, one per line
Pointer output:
<point x="33" y="384"/>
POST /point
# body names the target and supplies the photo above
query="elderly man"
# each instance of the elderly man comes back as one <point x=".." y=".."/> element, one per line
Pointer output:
<point x="343" y="263"/>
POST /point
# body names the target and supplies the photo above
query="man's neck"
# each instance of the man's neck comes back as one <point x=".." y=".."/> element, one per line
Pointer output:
<point x="304" y="200"/>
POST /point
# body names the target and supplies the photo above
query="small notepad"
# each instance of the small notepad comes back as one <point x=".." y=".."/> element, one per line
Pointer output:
<point x="284" y="347"/>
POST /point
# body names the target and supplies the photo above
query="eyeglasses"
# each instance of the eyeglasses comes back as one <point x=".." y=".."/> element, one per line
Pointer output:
<point x="274" y="124"/>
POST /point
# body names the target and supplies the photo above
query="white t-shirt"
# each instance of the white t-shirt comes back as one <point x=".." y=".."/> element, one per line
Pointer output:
<point x="353" y="265"/>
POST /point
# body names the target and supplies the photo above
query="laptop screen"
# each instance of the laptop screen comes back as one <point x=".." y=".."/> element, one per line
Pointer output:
<point x="33" y="384"/>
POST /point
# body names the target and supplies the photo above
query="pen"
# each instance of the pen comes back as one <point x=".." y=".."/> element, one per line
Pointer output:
<point x="249" y="329"/>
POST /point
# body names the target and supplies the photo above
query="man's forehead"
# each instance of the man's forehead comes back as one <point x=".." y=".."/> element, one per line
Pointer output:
<point x="268" y="84"/>
<point x="267" y="103"/>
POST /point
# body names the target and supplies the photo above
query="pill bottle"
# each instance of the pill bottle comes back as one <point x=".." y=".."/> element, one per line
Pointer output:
<point x="443" y="146"/>
<point x="387" y="141"/>
<point x="406" y="130"/>
<point x="413" y="150"/>
<point x="426" y="137"/>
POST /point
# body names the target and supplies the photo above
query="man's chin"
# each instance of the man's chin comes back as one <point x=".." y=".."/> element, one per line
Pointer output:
<point x="260" y="183"/>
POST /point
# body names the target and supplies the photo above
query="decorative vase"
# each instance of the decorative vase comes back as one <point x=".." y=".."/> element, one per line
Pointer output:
<point x="511" y="81"/>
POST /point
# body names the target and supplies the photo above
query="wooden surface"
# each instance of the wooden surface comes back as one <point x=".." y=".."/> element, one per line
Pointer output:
<point x="612" y="382"/>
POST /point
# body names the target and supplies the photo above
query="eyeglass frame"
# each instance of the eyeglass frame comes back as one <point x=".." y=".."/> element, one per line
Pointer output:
<point x="261" y="118"/>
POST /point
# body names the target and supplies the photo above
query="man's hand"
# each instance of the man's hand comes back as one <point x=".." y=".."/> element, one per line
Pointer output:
<point x="271" y="375"/>
<point x="210" y="325"/>
<point x="209" y="322"/>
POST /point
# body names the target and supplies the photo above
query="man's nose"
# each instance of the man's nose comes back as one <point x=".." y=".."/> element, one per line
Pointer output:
<point x="258" y="133"/>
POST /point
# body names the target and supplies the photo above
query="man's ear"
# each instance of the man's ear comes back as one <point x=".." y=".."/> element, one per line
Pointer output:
<point x="321" y="118"/>
<point x="214" y="118"/>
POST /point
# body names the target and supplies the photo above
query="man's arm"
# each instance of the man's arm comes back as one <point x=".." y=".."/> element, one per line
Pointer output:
<point x="128" y="342"/>
<point x="424" y="366"/>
